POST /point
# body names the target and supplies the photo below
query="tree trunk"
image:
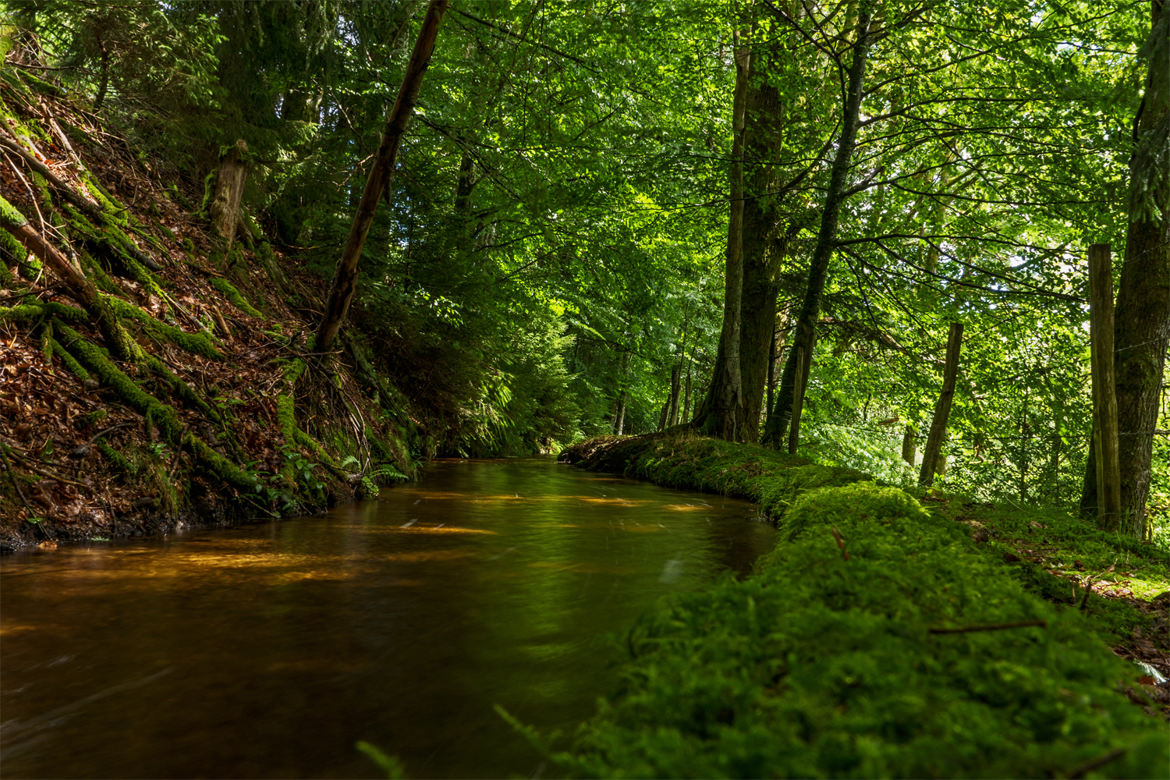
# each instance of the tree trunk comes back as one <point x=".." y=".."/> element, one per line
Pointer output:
<point x="675" y="387"/>
<point x="763" y="249"/>
<point x="341" y="292"/>
<point x="1142" y="315"/>
<point x="802" y="343"/>
<point x="909" y="447"/>
<point x="229" y="190"/>
<point x="1105" y="445"/>
<point x="722" y="408"/>
<point x="932" y="454"/>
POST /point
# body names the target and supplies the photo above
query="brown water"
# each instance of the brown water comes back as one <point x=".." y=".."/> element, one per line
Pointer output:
<point x="269" y="651"/>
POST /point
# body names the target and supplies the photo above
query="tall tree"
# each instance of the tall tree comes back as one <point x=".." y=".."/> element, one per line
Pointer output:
<point x="722" y="411"/>
<point x="796" y="368"/>
<point x="1142" y="317"/>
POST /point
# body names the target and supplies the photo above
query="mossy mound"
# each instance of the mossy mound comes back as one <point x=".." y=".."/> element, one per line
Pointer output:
<point x="876" y="641"/>
<point x="682" y="460"/>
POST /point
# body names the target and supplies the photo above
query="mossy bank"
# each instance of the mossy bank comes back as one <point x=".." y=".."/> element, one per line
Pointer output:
<point x="883" y="637"/>
<point x="156" y="373"/>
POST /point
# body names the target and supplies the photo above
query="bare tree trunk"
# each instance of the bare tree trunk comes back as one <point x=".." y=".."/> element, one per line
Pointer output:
<point x="229" y="191"/>
<point x="800" y="356"/>
<point x="341" y="292"/>
<point x="722" y="407"/>
<point x="675" y="387"/>
<point x="942" y="410"/>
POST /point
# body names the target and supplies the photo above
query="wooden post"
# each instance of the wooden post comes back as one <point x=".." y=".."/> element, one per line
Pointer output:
<point x="1105" y="443"/>
<point x="942" y="410"/>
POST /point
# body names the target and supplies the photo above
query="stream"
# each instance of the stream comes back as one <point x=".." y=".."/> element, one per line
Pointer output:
<point x="270" y="650"/>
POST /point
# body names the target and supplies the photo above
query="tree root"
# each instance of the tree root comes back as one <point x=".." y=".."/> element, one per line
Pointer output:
<point x="162" y="416"/>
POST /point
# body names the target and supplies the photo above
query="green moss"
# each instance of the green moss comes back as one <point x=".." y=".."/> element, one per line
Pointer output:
<point x="38" y="84"/>
<point x="31" y="312"/>
<point x="183" y="390"/>
<point x="195" y="343"/>
<point x="208" y="192"/>
<point x="120" y="461"/>
<point x="69" y="362"/>
<point x="43" y="189"/>
<point x="832" y="661"/>
<point x="10" y="217"/>
<point x="233" y="295"/>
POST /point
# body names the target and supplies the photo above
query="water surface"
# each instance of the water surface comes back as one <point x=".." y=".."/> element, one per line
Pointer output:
<point x="268" y="651"/>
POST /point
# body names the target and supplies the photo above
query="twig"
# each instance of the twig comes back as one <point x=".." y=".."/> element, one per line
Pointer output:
<point x="1097" y="763"/>
<point x="841" y="544"/>
<point x="15" y="484"/>
<point x="989" y="627"/>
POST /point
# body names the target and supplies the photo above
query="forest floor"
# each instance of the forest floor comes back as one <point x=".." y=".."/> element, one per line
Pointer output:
<point x="222" y="414"/>
<point x="1121" y="586"/>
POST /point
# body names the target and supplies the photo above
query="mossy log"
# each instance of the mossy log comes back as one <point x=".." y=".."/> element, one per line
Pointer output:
<point x="195" y="343"/>
<point x="235" y="297"/>
<point x="163" y="417"/>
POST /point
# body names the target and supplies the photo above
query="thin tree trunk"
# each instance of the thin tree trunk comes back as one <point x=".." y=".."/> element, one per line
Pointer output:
<point x="723" y="405"/>
<point x="909" y="447"/>
<point x="787" y="400"/>
<point x="675" y="387"/>
<point x="1105" y="422"/>
<point x="341" y="292"/>
<point x="686" y="412"/>
<point x="104" y="80"/>
<point x="942" y="410"/>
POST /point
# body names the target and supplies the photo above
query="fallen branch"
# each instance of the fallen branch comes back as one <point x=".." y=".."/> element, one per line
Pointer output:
<point x="1097" y="763"/>
<point x="990" y="627"/>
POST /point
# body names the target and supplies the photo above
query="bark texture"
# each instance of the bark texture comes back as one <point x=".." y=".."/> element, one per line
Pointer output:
<point x="722" y="409"/>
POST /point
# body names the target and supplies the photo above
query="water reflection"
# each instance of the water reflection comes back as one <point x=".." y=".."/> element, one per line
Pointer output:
<point x="268" y="651"/>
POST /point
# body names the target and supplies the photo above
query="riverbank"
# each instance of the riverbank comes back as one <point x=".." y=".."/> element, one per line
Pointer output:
<point x="888" y="634"/>
<point x="156" y="372"/>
